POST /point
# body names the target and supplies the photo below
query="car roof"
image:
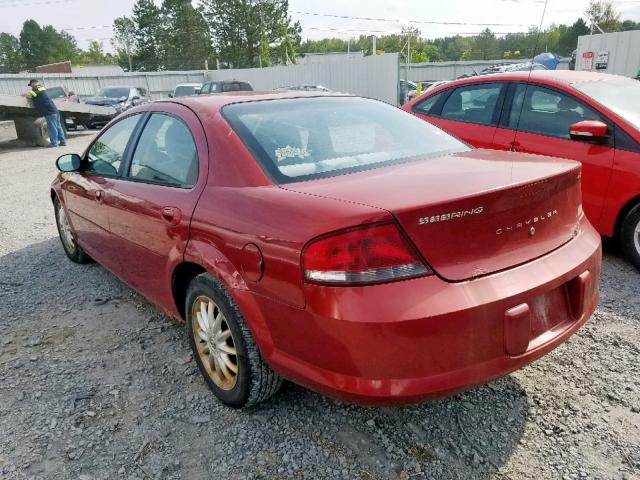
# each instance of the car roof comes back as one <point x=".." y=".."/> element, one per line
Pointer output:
<point x="563" y="77"/>
<point x="206" y="103"/>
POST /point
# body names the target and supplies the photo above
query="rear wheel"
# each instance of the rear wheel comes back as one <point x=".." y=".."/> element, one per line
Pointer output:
<point x="67" y="237"/>
<point x="224" y="348"/>
<point x="630" y="236"/>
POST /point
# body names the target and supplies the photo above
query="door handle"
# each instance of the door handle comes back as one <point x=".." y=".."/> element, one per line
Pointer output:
<point x="171" y="215"/>
<point x="99" y="194"/>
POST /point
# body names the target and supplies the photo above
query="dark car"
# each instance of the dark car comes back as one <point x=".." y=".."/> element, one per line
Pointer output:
<point x="121" y="98"/>
<point x="225" y="86"/>
<point x="335" y="241"/>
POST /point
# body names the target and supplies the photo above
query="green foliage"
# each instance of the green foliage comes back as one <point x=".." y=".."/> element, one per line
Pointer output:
<point x="10" y="54"/>
<point x="184" y="36"/>
<point x="124" y="41"/>
<point x="244" y="32"/>
<point x="148" y="24"/>
<point x="604" y="15"/>
<point x="95" y="55"/>
<point x="44" y="45"/>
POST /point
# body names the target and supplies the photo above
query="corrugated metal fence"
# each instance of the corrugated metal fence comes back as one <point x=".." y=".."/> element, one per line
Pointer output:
<point x="619" y="53"/>
<point x="159" y="84"/>
<point x="434" y="71"/>
<point x="374" y="76"/>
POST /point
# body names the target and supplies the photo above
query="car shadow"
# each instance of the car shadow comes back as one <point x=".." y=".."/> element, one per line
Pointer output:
<point x="475" y="432"/>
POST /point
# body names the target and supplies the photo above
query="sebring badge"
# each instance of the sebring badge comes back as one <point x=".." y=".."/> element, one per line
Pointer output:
<point x="445" y="217"/>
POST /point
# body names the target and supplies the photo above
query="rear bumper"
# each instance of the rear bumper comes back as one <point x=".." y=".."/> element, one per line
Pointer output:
<point x="425" y="338"/>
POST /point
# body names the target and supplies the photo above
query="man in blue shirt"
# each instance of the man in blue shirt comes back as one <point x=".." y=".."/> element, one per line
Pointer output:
<point x="46" y="108"/>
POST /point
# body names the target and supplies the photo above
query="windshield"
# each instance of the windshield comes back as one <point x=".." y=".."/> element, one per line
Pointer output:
<point x="56" y="92"/>
<point x="622" y="96"/>
<point x="114" y="92"/>
<point x="307" y="138"/>
<point x="186" y="90"/>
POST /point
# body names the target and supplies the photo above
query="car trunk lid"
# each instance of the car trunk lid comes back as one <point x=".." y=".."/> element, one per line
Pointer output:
<point x="471" y="213"/>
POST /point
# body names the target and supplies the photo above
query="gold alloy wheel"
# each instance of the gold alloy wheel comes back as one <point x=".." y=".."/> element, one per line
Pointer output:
<point x="66" y="235"/>
<point x="214" y="342"/>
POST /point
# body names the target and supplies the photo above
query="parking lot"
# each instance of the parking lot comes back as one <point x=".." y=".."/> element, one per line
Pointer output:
<point x="96" y="384"/>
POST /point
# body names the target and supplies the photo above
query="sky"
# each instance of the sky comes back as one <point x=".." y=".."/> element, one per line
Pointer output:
<point x="91" y="19"/>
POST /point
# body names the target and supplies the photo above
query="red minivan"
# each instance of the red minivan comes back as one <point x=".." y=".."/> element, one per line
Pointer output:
<point x="590" y="117"/>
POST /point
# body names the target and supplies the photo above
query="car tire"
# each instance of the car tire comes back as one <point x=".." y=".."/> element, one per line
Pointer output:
<point x="216" y="330"/>
<point x="67" y="236"/>
<point x="630" y="236"/>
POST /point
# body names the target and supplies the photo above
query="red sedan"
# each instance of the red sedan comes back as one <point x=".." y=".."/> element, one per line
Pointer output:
<point x="335" y="241"/>
<point x="585" y="116"/>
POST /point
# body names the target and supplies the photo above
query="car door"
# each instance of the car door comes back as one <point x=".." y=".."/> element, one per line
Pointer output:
<point x="542" y="118"/>
<point x="154" y="200"/>
<point x="469" y="112"/>
<point x="86" y="193"/>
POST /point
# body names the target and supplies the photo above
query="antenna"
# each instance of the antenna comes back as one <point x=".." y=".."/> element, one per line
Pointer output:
<point x="535" y="49"/>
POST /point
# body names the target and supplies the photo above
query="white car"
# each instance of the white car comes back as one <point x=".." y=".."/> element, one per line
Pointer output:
<point x="186" y="90"/>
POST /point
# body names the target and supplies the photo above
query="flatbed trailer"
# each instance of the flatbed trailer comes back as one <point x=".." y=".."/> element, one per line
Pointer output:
<point x="32" y="128"/>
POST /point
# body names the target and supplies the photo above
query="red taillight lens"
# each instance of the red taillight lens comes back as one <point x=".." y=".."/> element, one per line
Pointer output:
<point x="374" y="254"/>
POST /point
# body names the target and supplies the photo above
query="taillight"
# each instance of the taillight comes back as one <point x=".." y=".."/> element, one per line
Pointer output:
<point x="373" y="254"/>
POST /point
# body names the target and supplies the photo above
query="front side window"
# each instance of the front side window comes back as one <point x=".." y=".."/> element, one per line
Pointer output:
<point x="343" y="135"/>
<point x="166" y="153"/>
<point x="541" y="110"/>
<point x="473" y="103"/>
<point x="105" y="155"/>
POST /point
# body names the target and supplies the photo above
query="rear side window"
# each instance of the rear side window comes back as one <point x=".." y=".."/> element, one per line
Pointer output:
<point x="546" y="111"/>
<point x="427" y="104"/>
<point x="105" y="155"/>
<point x="166" y="153"/>
<point x="343" y="135"/>
<point x="473" y="103"/>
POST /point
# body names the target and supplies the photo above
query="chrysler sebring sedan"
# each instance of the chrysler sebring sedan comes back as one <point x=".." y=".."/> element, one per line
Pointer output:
<point x="335" y="241"/>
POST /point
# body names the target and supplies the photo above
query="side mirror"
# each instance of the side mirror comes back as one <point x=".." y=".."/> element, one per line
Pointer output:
<point x="171" y="95"/>
<point x="589" y="130"/>
<point x="69" y="163"/>
<point x="135" y="101"/>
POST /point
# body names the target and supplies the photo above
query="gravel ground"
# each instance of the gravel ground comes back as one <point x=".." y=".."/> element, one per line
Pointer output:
<point x="96" y="384"/>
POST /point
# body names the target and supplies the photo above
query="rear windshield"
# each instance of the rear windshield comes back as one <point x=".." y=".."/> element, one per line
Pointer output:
<point x="306" y="138"/>
<point x="622" y="96"/>
<point x="186" y="90"/>
<point x="236" y="87"/>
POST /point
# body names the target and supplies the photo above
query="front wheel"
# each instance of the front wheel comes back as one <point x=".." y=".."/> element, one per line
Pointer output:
<point x="67" y="237"/>
<point x="224" y="348"/>
<point x="630" y="236"/>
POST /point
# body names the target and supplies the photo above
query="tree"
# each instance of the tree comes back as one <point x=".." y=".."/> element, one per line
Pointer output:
<point x="10" y="55"/>
<point x="184" y="37"/>
<point x="95" y="55"/>
<point x="603" y="14"/>
<point x="148" y="24"/>
<point x="245" y="32"/>
<point x="486" y="46"/>
<point x="124" y="39"/>
<point x="44" y="45"/>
